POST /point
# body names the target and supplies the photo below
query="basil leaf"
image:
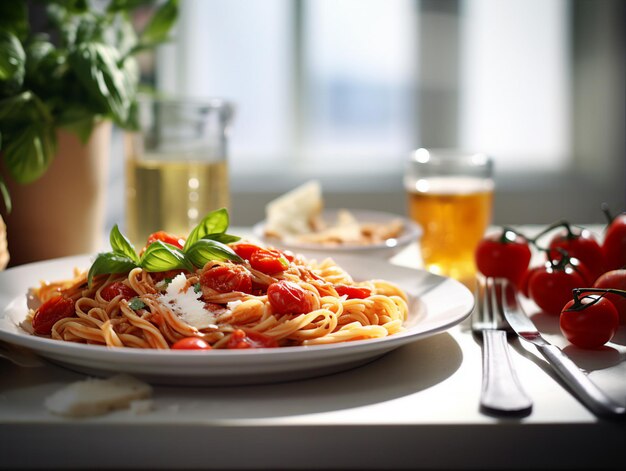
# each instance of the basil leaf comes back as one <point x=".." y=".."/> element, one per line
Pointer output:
<point x="109" y="262"/>
<point x="161" y="22"/>
<point x="121" y="245"/>
<point x="12" y="63"/>
<point x="6" y="197"/>
<point x="216" y="222"/>
<point x="14" y="18"/>
<point x="206" y="250"/>
<point x="160" y="256"/>
<point x="30" y="151"/>
<point x="223" y="238"/>
<point x="97" y="69"/>
<point x="136" y="303"/>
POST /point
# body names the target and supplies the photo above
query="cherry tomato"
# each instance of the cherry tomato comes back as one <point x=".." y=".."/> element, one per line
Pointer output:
<point x="286" y="297"/>
<point x="614" y="279"/>
<point x="250" y="339"/>
<point x="116" y="288"/>
<point x="580" y="244"/>
<point x="191" y="343"/>
<point x="167" y="238"/>
<point x="503" y="254"/>
<point x="524" y="282"/>
<point x="614" y="245"/>
<point x="50" y="312"/>
<point x="589" y="322"/>
<point x="551" y="287"/>
<point x="245" y="250"/>
<point x="225" y="279"/>
<point x="268" y="261"/>
<point x="353" y="292"/>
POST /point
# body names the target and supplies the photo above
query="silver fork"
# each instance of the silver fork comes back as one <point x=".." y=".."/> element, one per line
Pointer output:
<point x="501" y="390"/>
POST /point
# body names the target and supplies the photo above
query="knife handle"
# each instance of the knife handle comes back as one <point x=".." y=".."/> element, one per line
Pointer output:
<point x="501" y="389"/>
<point x="596" y="400"/>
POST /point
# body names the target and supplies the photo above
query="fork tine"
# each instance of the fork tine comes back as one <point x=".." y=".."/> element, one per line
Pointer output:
<point x="490" y="302"/>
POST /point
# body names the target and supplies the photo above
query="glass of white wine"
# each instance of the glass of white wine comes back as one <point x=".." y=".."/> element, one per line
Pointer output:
<point x="176" y="165"/>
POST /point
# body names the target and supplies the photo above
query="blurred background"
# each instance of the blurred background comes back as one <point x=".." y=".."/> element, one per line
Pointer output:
<point x="343" y="90"/>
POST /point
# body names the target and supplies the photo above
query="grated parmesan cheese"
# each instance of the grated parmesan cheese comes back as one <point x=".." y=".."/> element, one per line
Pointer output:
<point x="186" y="303"/>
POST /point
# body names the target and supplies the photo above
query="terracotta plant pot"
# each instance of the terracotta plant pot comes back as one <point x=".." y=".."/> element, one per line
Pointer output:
<point x="63" y="212"/>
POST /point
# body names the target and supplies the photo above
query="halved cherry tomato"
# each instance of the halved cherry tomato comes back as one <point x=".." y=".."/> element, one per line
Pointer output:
<point x="191" y="343"/>
<point x="250" y="339"/>
<point x="268" y="261"/>
<point x="116" y="288"/>
<point x="551" y="287"/>
<point x="581" y="244"/>
<point x="353" y="292"/>
<point x="245" y="250"/>
<point x="614" y="279"/>
<point x="504" y="254"/>
<point x="614" y="245"/>
<point x="589" y="321"/>
<point x="225" y="279"/>
<point x="50" y="312"/>
<point x="167" y="238"/>
<point x="286" y="297"/>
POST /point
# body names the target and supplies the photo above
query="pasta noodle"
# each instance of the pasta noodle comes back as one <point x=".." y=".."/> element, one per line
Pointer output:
<point x="141" y="309"/>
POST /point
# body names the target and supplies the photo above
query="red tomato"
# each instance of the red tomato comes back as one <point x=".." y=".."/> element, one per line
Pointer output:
<point x="353" y="292"/>
<point x="551" y="287"/>
<point x="589" y="323"/>
<point x="225" y="279"/>
<point x="286" y="297"/>
<point x="582" y="245"/>
<point x="244" y="250"/>
<point x="614" y="279"/>
<point x="116" y="288"/>
<point x="525" y="281"/>
<point x="614" y="245"/>
<point x="503" y="254"/>
<point x="167" y="238"/>
<point x="268" y="261"/>
<point x="50" y="312"/>
<point x="191" y="343"/>
<point x="250" y="339"/>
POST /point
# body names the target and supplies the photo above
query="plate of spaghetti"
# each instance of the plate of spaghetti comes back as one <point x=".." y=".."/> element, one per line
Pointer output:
<point x="212" y="309"/>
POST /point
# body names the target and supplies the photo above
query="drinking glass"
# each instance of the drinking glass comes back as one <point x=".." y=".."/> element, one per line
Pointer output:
<point x="176" y="166"/>
<point x="450" y="194"/>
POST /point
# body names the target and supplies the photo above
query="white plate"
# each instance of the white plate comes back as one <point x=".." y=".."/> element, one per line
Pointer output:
<point x="411" y="233"/>
<point x="436" y="304"/>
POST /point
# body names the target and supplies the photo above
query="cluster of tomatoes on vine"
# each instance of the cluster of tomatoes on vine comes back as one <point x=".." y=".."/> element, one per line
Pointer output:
<point x="583" y="281"/>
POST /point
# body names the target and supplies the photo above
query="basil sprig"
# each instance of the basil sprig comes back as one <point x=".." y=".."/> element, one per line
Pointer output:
<point x="206" y="242"/>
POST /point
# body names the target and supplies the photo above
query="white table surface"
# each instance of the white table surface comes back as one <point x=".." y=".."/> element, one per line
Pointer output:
<point x="415" y="408"/>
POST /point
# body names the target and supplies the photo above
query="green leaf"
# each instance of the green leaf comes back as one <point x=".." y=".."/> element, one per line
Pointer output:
<point x="6" y="197"/>
<point x="216" y="222"/>
<point x="79" y="120"/>
<point x="206" y="250"/>
<point x="14" y="17"/>
<point x="107" y="263"/>
<point x="12" y="63"/>
<point x="121" y="245"/>
<point x="160" y="24"/>
<point x="96" y="67"/>
<point x="30" y="151"/>
<point x="160" y="256"/>
<point x="136" y="303"/>
<point x="126" y="5"/>
<point x="223" y="238"/>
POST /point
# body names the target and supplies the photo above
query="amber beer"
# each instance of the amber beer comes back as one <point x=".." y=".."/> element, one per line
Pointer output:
<point x="450" y="194"/>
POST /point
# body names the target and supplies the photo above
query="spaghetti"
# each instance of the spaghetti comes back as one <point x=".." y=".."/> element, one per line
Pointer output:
<point x="265" y="299"/>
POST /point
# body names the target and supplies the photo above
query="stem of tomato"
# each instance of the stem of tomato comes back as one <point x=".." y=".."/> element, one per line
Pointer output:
<point x="579" y="306"/>
<point x="607" y="212"/>
<point x="551" y="227"/>
<point x="505" y="239"/>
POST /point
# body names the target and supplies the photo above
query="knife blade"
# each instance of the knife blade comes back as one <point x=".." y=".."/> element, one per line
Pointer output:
<point x="586" y="391"/>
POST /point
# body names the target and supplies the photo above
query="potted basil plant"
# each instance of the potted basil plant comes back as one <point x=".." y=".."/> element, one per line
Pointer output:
<point x="68" y="73"/>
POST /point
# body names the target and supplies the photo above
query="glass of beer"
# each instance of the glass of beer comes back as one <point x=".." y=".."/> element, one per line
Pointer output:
<point x="176" y="166"/>
<point x="450" y="194"/>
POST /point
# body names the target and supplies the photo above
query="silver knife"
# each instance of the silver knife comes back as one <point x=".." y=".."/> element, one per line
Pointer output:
<point x="588" y="393"/>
